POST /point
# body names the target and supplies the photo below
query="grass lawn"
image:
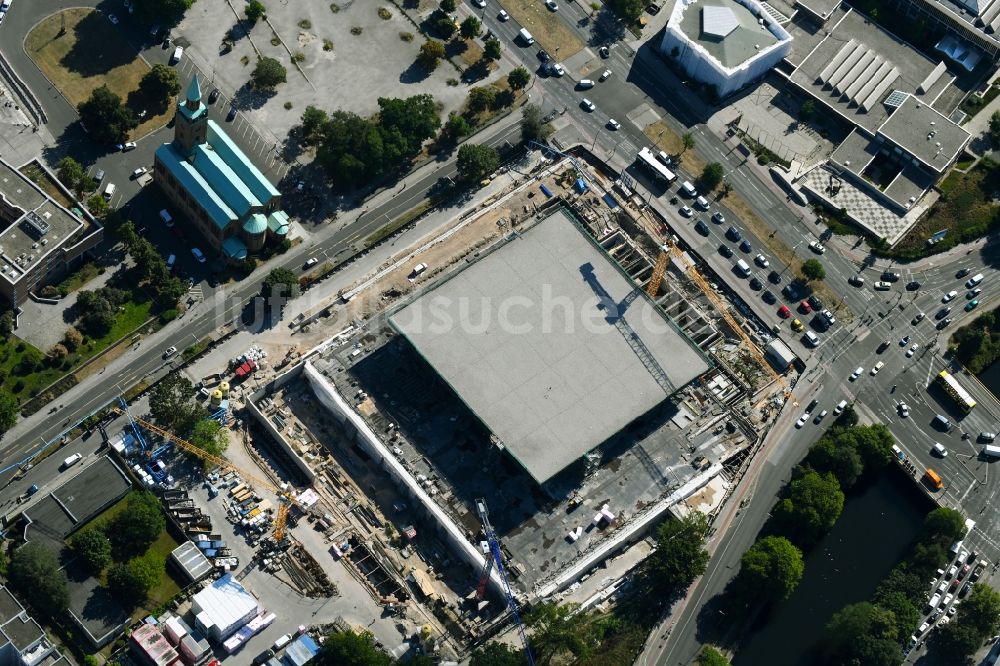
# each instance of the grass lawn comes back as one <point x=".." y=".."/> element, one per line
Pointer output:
<point x="550" y="32"/>
<point x="472" y="52"/>
<point x="78" y="278"/>
<point x="90" y="54"/>
<point x="39" y="177"/>
<point x="670" y="142"/>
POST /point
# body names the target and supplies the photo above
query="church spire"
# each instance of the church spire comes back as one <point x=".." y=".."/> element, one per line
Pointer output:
<point x="194" y="92"/>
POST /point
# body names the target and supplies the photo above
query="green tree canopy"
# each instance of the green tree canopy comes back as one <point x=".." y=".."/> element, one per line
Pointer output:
<point x="105" y="117"/>
<point x="448" y="5"/>
<point x="34" y="571"/>
<point x="981" y="610"/>
<point x="314" y="122"/>
<point x="907" y="614"/>
<point x="255" y="11"/>
<point x="812" y="269"/>
<point x="73" y="175"/>
<point x="454" y="129"/>
<point x="680" y="555"/>
<point x="687" y="142"/>
<point x="955" y="642"/>
<point x="172" y="405"/>
<point x="268" y="73"/>
<point x="497" y="654"/>
<point x="772" y="568"/>
<point x="556" y="630"/>
<point x="482" y="98"/>
<point x="476" y="161"/>
<point x="844" y="462"/>
<point x="98" y="308"/>
<point x="132" y="581"/>
<point x="845" y="630"/>
<point x="348" y="648"/>
<point x="431" y="53"/>
<point x="711" y="176"/>
<point x="872" y="442"/>
<point x="811" y="508"/>
<point x="533" y="128"/>
<point x="415" y="119"/>
<point x="163" y="11"/>
<point x="518" y="78"/>
<point x="709" y="656"/>
<point x="444" y="25"/>
<point x="160" y="85"/>
<point x="138" y="525"/>
<point x="492" y="49"/>
<point x="628" y="10"/>
<point x="210" y="436"/>
<point x="945" y="524"/>
<point x="470" y="28"/>
<point x="282" y="279"/>
<point x="93" y="547"/>
<point x="9" y="408"/>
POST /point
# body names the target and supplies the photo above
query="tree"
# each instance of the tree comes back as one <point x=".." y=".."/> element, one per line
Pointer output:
<point x="448" y="5"/>
<point x="906" y="613"/>
<point x="34" y="571"/>
<point x="454" y="129"/>
<point x="73" y="175"/>
<point x="518" y="78"/>
<point x="945" y="524"/>
<point x="268" y="73"/>
<point x="430" y="54"/>
<point x="97" y="205"/>
<point x="470" y="28"/>
<point x="711" y="176"/>
<point x="956" y="642"/>
<point x="138" y="525"/>
<point x="687" y="141"/>
<point x="105" y="117"/>
<point x="163" y="11"/>
<point x="994" y="127"/>
<point x="476" y="161"/>
<point x="709" y="656"/>
<point x="981" y="610"/>
<point x="680" y="555"/>
<point x="160" y="84"/>
<point x="314" y="122"/>
<point x="628" y="10"/>
<point x="283" y="279"/>
<point x="93" y="547"/>
<point x="348" y="648"/>
<point x="496" y="654"/>
<point x="133" y="580"/>
<point x="172" y="407"/>
<point x="482" y="98"/>
<point x="9" y="408"/>
<point x="492" y="49"/>
<point x="210" y="436"/>
<point x="848" y="627"/>
<point x="58" y="351"/>
<point x="844" y="462"/>
<point x="903" y="581"/>
<point x="72" y="338"/>
<point x="445" y="26"/>
<point x="811" y="509"/>
<point x="98" y="309"/>
<point x="7" y="323"/>
<point x="872" y="442"/>
<point x="807" y="109"/>
<point x="772" y="569"/>
<point x="533" y="127"/>
<point x="813" y="270"/>
<point x="255" y="11"/>
<point x="407" y="123"/>
<point x="555" y="629"/>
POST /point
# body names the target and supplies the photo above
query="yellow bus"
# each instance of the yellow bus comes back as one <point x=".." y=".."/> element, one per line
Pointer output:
<point x="955" y="390"/>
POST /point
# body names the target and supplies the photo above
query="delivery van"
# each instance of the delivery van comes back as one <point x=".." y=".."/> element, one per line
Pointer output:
<point x="743" y="268"/>
<point x="991" y="451"/>
<point x="526" y="37"/>
<point x="72" y="460"/>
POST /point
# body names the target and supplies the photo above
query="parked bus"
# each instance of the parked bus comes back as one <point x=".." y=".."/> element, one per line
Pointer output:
<point x="653" y="165"/>
<point x="955" y="390"/>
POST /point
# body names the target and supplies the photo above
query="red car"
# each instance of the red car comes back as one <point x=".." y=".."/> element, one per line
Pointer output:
<point x="805" y="308"/>
<point x="784" y="312"/>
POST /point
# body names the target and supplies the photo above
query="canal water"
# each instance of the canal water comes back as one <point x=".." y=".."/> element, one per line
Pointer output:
<point x="990" y="377"/>
<point x="874" y="532"/>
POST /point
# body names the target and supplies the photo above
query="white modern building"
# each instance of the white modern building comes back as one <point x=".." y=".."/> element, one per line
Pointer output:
<point x="726" y="44"/>
<point x="223" y="607"/>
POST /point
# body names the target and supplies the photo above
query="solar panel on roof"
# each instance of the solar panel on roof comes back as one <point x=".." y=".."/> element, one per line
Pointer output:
<point x="896" y="98"/>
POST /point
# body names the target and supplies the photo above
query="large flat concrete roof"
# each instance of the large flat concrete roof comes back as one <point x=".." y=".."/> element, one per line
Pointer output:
<point x="727" y="30"/>
<point x="925" y="134"/>
<point x="523" y="338"/>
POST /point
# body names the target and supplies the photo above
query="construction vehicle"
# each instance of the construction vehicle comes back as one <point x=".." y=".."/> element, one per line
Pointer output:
<point x="285" y="497"/>
<point x="668" y="251"/>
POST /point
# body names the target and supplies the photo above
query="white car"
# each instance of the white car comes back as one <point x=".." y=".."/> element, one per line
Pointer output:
<point x="948" y="598"/>
<point x="943" y="452"/>
<point x="311" y="261"/>
<point x="177" y="55"/>
<point x="918" y="318"/>
<point x="912" y="350"/>
<point x="614" y="124"/>
<point x="605" y="75"/>
<point x="858" y="371"/>
<point x="556" y="69"/>
<point x="949" y="296"/>
<point x="685" y="211"/>
<point x="170" y="352"/>
<point x="127" y="146"/>
<point x="761" y="261"/>
<point x="198" y="255"/>
<point x="587" y="104"/>
<point x="817" y="247"/>
<point x="138" y="172"/>
<point x="113" y="19"/>
<point x="503" y="15"/>
<point x="830" y="319"/>
<point x="904" y="409"/>
<point x="551" y="4"/>
<point x="479" y="3"/>
<point x="878" y="366"/>
<point x="802" y="421"/>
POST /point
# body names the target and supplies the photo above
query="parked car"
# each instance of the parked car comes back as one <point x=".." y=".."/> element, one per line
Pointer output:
<point x="198" y="255"/>
<point x="605" y="75"/>
<point x="686" y="211"/>
<point x="761" y="261"/>
<point x="725" y="250"/>
<point x="918" y="318"/>
<point x="811" y="406"/>
<point x="745" y="246"/>
<point x="802" y="421"/>
<point x="718" y="218"/>
<point x="769" y="297"/>
<point x="912" y="286"/>
<point x="784" y="312"/>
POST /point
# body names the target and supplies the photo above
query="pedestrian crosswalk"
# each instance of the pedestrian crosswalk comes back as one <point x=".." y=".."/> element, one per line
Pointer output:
<point x="195" y="293"/>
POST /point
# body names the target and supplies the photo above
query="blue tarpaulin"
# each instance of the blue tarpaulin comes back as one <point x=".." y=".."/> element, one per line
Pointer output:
<point x="610" y="200"/>
<point x="546" y="191"/>
<point x="581" y="186"/>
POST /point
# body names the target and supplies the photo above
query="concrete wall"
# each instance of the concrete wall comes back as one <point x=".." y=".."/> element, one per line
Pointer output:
<point x="269" y="426"/>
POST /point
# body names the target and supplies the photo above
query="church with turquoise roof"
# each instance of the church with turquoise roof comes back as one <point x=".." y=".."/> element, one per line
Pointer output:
<point x="215" y="186"/>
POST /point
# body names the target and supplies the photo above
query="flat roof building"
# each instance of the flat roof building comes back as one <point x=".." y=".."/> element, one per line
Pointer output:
<point x="22" y="640"/>
<point x="223" y="607"/>
<point x="726" y="44"/>
<point x="191" y="561"/>
<point x="550" y="344"/>
<point x="40" y="240"/>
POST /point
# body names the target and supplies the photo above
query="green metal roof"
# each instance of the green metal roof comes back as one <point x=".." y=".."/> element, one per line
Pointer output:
<point x="226" y="182"/>
<point x="277" y="222"/>
<point x="255" y="224"/>
<point x="194" y="90"/>
<point x="240" y="163"/>
<point x="196" y="185"/>
<point x="234" y="248"/>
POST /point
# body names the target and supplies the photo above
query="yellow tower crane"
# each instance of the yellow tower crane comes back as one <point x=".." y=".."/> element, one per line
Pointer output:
<point x="285" y="499"/>
<point x="667" y="251"/>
